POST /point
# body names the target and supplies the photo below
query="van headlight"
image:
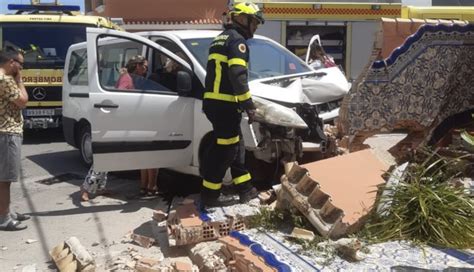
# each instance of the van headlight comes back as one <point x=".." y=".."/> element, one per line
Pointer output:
<point x="275" y="114"/>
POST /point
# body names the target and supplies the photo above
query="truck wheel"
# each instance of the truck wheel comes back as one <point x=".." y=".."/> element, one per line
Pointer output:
<point x="85" y="144"/>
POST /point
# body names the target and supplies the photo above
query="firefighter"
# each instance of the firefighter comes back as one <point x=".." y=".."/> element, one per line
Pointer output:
<point x="226" y="96"/>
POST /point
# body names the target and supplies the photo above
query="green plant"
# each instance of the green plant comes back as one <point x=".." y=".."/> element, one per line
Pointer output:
<point x="268" y="219"/>
<point x="468" y="138"/>
<point x="278" y="218"/>
<point x="425" y="208"/>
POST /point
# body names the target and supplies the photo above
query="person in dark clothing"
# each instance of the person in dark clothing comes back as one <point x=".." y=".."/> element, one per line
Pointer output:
<point x="226" y="96"/>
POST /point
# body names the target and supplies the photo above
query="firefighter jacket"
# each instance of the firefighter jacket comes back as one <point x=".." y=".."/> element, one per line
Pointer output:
<point x="227" y="75"/>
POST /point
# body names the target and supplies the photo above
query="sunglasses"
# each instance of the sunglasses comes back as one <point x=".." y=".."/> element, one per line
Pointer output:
<point x="19" y="62"/>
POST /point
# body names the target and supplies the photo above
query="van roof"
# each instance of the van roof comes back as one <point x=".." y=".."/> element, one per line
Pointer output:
<point x="189" y="34"/>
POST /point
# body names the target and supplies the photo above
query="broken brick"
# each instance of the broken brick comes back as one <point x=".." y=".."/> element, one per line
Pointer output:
<point x="267" y="197"/>
<point x="71" y="255"/>
<point x="302" y="234"/>
<point x="142" y="241"/>
<point x="244" y="259"/>
<point x="143" y="267"/>
<point x="159" y="215"/>
<point x="183" y="267"/>
<point x="149" y="261"/>
<point x="185" y="227"/>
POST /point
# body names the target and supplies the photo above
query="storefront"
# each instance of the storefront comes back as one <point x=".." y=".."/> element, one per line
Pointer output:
<point x="347" y="30"/>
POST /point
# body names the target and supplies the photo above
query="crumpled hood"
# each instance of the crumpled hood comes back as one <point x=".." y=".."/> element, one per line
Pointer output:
<point x="311" y="90"/>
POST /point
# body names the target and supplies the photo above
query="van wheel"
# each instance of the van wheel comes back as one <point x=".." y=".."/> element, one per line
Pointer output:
<point x="264" y="174"/>
<point x="204" y="148"/>
<point x="85" y="144"/>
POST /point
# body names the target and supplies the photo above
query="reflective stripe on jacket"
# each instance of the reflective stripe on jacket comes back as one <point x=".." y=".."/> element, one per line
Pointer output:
<point x="226" y="77"/>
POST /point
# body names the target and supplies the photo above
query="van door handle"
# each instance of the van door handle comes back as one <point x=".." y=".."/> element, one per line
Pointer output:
<point x="106" y="106"/>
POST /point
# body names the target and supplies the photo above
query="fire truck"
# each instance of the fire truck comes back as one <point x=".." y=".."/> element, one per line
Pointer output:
<point x="43" y="32"/>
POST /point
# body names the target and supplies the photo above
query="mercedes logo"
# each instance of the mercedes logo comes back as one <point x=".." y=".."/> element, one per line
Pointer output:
<point x="39" y="93"/>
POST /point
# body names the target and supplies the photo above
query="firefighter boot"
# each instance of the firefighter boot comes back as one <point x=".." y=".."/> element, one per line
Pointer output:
<point x="216" y="199"/>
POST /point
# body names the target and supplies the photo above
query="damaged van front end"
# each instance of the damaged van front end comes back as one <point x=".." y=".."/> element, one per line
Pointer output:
<point x="292" y="110"/>
<point x="274" y="135"/>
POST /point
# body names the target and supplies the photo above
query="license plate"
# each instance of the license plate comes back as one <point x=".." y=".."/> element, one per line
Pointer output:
<point x="40" y="112"/>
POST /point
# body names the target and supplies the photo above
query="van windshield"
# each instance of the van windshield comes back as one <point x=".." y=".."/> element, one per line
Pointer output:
<point x="266" y="58"/>
<point x="44" y="44"/>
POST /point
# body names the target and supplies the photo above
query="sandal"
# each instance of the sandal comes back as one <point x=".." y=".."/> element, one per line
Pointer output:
<point x="152" y="193"/>
<point x="13" y="225"/>
<point x="20" y="216"/>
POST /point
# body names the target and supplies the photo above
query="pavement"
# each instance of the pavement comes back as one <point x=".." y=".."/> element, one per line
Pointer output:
<point x="49" y="192"/>
<point x="57" y="214"/>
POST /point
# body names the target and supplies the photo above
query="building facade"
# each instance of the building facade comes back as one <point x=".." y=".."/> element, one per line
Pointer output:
<point x="143" y="15"/>
<point x="347" y="28"/>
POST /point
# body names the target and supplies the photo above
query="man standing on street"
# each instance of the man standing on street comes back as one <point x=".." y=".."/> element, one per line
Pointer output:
<point x="13" y="98"/>
<point x="226" y="96"/>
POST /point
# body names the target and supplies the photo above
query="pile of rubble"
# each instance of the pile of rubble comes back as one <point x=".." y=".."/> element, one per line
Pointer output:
<point x="335" y="195"/>
<point x="214" y="238"/>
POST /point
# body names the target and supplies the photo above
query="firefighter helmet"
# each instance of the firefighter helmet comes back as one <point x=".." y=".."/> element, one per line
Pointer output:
<point x="249" y="9"/>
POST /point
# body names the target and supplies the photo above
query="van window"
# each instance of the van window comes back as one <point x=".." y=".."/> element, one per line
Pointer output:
<point x="128" y="65"/>
<point x="266" y="58"/>
<point x="113" y="56"/>
<point x="173" y="47"/>
<point x="77" y="71"/>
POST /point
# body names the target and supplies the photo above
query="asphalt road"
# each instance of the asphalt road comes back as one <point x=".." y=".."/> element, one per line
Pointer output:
<point x="49" y="192"/>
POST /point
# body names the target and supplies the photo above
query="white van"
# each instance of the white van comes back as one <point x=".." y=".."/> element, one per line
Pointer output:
<point x="160" y="123"/>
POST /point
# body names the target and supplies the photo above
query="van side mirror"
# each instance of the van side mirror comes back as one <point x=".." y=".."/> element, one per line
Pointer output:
<point x="184" y="83"/>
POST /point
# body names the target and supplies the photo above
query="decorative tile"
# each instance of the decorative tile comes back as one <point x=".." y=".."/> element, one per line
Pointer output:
<point x="381" y="257"/>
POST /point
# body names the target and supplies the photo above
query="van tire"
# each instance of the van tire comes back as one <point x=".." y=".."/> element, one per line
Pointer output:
<point x="204" y="147"/>
<point x="85" y="144"/>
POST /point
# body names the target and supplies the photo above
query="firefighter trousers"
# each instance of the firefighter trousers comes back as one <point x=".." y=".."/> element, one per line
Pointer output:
<point x="226" y="151"/>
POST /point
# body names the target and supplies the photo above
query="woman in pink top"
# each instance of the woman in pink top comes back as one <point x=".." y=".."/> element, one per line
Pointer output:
<point x="138" y="66"/>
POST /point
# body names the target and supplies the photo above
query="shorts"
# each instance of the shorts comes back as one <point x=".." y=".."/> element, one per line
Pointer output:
<point x="10" y="158"/>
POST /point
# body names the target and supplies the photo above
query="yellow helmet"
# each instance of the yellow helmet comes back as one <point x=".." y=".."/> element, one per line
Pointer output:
<point x="248" y="8"/>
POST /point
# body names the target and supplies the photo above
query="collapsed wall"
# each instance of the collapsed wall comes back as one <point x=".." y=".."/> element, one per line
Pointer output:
<point x="334" y="194"/>
<point x="427" y="78"/>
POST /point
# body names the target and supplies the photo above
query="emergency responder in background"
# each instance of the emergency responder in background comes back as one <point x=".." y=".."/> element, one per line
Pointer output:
<point x="226" y="96"/>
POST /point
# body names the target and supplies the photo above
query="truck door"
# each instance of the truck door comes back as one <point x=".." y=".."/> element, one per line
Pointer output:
<point x="144" y="123"/>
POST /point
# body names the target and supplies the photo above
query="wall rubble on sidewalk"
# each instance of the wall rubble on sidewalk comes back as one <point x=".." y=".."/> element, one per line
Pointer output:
<point x="335" y="194"/>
